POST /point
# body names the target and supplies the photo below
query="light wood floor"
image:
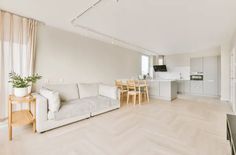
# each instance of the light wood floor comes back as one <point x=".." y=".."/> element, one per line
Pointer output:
<point x="187" y="126"/>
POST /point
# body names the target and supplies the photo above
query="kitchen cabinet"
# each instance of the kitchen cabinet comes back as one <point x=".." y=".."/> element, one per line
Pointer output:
<point x="163" y="89"/>
<point x="196" y="65"/>
<point x="209" y="68"/>
<point x="153" y="88"/>
<point x="183" y="86"/>
<point x="196" y="87"/>
<point x="180" y="86"/>
<point x="210" y="81"/>
<point x="187" y="86"/>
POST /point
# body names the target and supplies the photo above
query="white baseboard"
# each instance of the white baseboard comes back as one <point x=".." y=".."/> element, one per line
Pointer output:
<point x="224" y="99"/>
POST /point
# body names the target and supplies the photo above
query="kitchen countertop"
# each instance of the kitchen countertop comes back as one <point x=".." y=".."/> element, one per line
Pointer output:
<point x="170" y="80"/>
<point x="183" y="79"/>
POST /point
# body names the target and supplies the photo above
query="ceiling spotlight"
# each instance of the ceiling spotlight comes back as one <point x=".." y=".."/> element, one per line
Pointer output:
<point x="116" y="1"/>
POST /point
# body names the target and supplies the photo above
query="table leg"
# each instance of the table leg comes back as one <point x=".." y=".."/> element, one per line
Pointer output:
<point x="34" y="116"/>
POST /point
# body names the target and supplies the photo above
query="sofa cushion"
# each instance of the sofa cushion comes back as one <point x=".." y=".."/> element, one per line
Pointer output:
<point x="99" y="103"/>
<point x="66" y="91"/>
<point x="53" y="99"/>
<point x="88" y="90"/>
<point x="73" y="108"/>
<point x="108" y="91"/>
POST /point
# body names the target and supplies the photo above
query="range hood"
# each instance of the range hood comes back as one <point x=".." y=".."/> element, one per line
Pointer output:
<point x="161" y="67"/>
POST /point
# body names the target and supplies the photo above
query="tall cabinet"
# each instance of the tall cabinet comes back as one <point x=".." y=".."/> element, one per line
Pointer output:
<point x="196" y="65"/>
<point x="209" y="68"/>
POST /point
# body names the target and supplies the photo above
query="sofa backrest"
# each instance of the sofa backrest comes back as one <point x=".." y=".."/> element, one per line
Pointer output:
<point x="66" y="91"/>
<point x="88" y="89"/>
<point x="108" y="91"/>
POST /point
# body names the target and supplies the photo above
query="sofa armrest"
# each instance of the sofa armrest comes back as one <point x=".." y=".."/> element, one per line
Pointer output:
<point x="108" y="91"/>
<point x="41" y="108"/>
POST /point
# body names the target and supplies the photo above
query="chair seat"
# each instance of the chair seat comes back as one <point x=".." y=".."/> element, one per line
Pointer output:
<point x="123" y="91"/>
<point x="133" y="92"/>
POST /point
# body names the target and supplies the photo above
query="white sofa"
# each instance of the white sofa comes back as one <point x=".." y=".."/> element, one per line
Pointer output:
<point x="77" y="102"/>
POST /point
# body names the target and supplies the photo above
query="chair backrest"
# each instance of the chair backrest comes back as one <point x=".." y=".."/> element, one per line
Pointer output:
<point x="144" y="85"/>
<point x="143" y="82"/>
<point x="131" y="85"/>
<point x="118" y="84"/>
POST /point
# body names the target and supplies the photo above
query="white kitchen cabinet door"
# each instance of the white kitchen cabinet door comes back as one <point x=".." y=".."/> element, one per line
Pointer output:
<point x="180" y="87"/>
<point x="165" y="89"/>
<point x="196" y="65"/>
<point x="187" y="87"/>
<point x="154" y="88"/>
<point x="196" y="87"/>
<point x="210" y="81"/>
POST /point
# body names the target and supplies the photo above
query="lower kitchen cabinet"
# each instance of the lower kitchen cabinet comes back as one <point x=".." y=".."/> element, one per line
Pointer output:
<point x="183" y="86"/>
<point x="196" y="87"/>
<point x="210" y="88"/>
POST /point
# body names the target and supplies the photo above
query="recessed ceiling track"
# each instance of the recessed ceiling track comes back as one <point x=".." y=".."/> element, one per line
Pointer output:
<point x="73" y="22"/>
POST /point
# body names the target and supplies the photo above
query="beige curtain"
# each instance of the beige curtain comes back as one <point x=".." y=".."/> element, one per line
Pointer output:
<point x="17" y="51"/>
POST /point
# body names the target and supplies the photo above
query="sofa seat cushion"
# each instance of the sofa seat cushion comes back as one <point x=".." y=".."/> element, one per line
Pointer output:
<point x="99" y="103"/>
<point x="73" y="108"/>
<point x="67" y="92"/>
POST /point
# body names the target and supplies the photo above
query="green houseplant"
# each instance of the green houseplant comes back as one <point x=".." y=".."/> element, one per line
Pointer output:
<point x="22" y="85"/>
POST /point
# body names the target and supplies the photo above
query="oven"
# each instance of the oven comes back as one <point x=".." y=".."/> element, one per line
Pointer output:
<point x="196" y="77"/>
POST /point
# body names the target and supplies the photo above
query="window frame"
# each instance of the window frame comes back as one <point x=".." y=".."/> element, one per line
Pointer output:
<point x="145" y="70"/>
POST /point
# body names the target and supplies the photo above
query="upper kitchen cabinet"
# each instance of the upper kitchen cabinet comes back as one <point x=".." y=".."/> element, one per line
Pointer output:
<point x="196" y="65"/>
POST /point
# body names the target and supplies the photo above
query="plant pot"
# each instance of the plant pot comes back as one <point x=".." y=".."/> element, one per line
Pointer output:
<point x="21" y="92"/>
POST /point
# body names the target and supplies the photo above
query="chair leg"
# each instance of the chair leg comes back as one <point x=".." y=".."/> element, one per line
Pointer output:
<point x="139" y="98"/>
<point x="127" y="98"/>
<point x="147" y="95"/>
<point x="134" y="99"/>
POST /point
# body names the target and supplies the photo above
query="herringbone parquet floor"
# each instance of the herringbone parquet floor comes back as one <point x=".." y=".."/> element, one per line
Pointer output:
<point x="187" y="126"/>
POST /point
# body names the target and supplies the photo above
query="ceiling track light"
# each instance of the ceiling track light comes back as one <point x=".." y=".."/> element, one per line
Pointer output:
<point x="103" y="34"/>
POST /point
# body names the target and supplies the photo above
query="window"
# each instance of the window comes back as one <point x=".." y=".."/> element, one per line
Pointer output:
<point x="145" y="64"/>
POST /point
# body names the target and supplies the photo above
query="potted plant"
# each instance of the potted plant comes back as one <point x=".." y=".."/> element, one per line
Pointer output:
<point x="22" y="85"/>
<point x="32" y="80"/>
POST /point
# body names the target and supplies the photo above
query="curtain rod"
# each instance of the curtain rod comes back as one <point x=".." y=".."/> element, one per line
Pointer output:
<point x="22" y="16"/>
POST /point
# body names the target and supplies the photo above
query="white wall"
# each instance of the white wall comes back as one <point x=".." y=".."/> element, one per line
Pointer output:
<point x="225" y="73"/>
<point x="68" y="57"/>
<point x="180" y="63"/>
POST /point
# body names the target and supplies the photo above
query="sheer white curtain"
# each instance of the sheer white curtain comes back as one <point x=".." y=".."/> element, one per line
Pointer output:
<point x="17" y="51"/>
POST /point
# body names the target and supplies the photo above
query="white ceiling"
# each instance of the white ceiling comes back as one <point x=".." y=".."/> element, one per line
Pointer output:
<point x="162" y="26"/>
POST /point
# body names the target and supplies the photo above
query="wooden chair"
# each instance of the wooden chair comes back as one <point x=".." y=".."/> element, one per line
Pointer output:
<point x="122" y="89"/>
<point x="144" y="89"/>
<point x="132" y="91"/>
